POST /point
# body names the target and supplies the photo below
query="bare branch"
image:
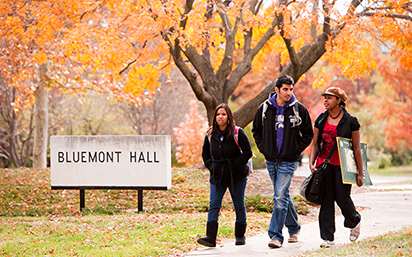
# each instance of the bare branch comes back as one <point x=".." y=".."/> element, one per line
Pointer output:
<point x="188" y="8"/>
<point x="288" y="42"/>
<point x="388" y="15"/>
<point x="312" y="25"/>
<point x="354" y="4"/>
<point x="127" y="66"/>
<point x="197" y="60"/>
<point x="249" y="54"/>
<point x="227" y="62"/>
<point x="135" y="60"/>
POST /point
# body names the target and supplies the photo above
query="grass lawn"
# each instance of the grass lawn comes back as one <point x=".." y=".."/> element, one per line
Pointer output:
<point x="396" y="243"/>
<point x="401" y="171"/>
<point x="104" y="235"/>
<point x="38" y="221"/>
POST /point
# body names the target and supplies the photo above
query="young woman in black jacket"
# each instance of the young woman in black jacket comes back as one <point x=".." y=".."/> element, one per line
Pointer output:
<point x="226" y="160"/>
<point x="329" y="125"/>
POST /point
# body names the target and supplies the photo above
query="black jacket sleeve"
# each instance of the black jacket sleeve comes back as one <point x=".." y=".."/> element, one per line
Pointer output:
<point x="306" y="129"/>
<point x="206" y="155"/>
<point x="257" y="128"/>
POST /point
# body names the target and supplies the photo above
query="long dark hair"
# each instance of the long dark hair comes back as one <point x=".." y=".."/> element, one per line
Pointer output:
<point x="230" y="129"/>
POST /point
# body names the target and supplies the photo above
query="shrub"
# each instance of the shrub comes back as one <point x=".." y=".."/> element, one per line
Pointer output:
<point x="301" y="205"/>
<point x="190" y="135"/>
<point x="259" y="203"/>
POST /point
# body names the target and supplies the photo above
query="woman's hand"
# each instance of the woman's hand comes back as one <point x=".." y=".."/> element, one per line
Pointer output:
<point x="358" y="156"/>
<point x="314" y="151"/>
<point x="360" y="180"/>
<point x="312" y="168"/>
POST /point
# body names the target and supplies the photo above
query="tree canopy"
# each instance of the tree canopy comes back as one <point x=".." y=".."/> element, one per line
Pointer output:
<point x="122" y="47"/>
<point x="125" y="45"/>
<point x="216" y="43"/>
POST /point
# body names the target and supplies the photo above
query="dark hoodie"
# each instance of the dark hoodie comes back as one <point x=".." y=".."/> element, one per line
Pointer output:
<point x="295" y="139"/>
<point x="280" y="118"/>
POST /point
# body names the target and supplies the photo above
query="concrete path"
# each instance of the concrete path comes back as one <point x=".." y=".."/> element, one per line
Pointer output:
<point x="384" y="212"/>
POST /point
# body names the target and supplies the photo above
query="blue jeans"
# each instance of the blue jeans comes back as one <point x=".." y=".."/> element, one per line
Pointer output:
<point x="238" y="198"/>
<point x="284" y="212"/>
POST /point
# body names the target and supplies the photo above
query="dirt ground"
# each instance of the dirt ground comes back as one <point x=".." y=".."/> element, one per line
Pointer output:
<point x="260" y="183"/>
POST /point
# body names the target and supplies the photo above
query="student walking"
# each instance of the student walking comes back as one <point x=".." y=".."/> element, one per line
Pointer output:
<point x="226" y="151"/>
<point x="335" y="122"/>
<point x="282" y="129"/>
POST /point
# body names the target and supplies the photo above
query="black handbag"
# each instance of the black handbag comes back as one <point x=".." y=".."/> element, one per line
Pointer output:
<point x="312" y="186"/>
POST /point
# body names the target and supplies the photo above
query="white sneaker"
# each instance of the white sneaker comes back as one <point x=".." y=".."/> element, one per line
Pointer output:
<point x="293" y="238"/>
<point x="274" y="243"/>
<point x="327" y="244"/>
<point x="354" y="233"/>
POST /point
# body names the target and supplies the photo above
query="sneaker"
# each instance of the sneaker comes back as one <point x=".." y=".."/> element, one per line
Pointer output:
<point x="354" y="233"/>
<point x="274" y="243"/>
<point x="293" y="238"/>
<point x="327" y="244"/>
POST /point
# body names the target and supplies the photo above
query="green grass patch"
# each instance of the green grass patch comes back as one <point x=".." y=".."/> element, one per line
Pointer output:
<point x="38" y="221"/>
<point x="397" y="243"/>
<point x="401" y="171"/>
<point x="27" y="192"/>
<point x="302" y="205"/>
<point x="259" y="203"/>
<point x="120" y="235"/>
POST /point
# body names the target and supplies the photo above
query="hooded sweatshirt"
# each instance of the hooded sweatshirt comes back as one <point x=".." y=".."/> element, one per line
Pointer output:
<point x="280" y="119"/>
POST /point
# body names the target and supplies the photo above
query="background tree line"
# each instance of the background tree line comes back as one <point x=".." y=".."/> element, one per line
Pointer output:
<point x="227" y="51"/>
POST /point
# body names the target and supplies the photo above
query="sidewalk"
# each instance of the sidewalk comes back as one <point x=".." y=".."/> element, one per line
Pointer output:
<point x="384" y="212"/>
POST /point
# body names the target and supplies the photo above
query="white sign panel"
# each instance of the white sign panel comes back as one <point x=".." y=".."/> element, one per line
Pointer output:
<point x="104" y="162"/>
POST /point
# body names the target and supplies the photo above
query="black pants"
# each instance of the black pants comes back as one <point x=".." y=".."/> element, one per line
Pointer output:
<point x="335" y="190"/>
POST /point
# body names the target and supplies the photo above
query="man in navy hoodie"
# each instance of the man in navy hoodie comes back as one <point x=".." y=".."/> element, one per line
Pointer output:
<point x="282" y="129"/>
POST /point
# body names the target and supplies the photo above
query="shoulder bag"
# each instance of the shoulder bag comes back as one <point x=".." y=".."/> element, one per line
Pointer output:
<point x="312" y="187"/>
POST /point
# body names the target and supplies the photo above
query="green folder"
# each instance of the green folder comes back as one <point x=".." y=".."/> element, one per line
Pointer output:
<point x="347" y="162"/>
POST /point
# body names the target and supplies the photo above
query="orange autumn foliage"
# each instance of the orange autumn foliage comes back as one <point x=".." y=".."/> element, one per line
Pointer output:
<point x="394" y="106"/>
<point x="66" y="33"/>
<point x="122" y="47"/>
<point x="190" y="135"/>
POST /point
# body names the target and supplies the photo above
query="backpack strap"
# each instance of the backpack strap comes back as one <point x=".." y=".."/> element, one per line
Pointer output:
<point x="236" y="137"/>
<point x="297" y="119"/>
<point x="209" y="134"/>
<point x="327" y="160"/>
<point x="264" y="109"/>
<point x="209" y="137"/>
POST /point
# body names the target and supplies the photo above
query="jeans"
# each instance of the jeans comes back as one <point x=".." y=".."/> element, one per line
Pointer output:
<point x="284" y="212"/>
<point x="238" y="198"/>
<point x="335" y="190"/>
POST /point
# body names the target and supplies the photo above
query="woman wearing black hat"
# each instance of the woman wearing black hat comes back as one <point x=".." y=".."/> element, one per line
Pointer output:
<point x="329" y="125"/>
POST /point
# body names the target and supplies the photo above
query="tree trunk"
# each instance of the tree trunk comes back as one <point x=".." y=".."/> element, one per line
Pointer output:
<point x="216" y="86"/>
<point x="41" y="114"/>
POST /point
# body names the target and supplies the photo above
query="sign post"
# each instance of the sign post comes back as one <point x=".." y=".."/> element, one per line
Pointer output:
<point x="111" y="162"/>
<point x="140" y="200"/>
